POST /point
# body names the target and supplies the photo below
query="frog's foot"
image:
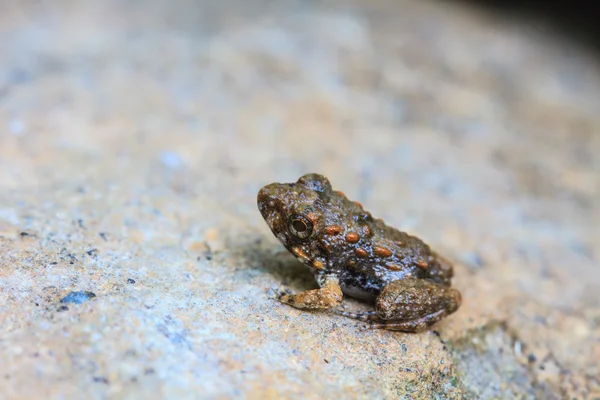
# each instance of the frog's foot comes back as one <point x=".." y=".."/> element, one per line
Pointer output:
<point x="276" y="294"/>
<point x="412" y="305"/>
<point x="328" y="296"/>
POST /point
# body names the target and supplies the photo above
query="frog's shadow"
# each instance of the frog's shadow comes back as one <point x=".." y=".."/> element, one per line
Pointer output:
<point x="288" y="273"/>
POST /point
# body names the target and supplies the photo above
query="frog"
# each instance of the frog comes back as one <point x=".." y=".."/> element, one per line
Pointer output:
<point x="351" y="253"/>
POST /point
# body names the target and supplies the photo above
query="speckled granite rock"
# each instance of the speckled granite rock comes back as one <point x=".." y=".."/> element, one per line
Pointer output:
<point x="135" y="136"/>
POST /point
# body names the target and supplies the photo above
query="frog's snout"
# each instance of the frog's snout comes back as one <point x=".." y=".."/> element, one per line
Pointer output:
<point x="270" y="205"/>
<point x="267" y="198"/>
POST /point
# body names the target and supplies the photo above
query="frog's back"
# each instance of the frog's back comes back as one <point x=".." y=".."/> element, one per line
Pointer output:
<point x="415" y="256"/>
<point x="383" y="254"/>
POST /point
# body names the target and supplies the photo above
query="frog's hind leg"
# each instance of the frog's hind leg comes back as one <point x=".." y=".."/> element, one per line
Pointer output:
<point x="412" y="305"/>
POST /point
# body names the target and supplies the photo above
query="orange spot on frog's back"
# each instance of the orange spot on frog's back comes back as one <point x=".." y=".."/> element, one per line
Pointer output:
<point x="352" y="237"/>
<point x="360" y="252"/>
<point x="332" y="229"/>
<point x="393" y="267"/>
<point x="382" y="251"/>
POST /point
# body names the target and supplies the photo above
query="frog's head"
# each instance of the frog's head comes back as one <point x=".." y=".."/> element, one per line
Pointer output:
<point x="295" y="214"/>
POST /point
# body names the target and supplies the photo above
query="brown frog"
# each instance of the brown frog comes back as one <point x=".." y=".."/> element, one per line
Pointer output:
<point x="351" y="253"/>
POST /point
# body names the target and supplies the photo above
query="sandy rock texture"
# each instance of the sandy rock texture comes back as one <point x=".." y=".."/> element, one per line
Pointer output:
<point x="134" y="137"/>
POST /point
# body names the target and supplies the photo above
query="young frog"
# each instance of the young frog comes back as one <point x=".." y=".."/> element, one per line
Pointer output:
<point x="351" y="253"/>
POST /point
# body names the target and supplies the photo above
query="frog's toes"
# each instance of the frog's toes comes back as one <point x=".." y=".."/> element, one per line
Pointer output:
<point x="340" y="310"/>
<point x="276" y="294"/>
<point x="283" y="296"/>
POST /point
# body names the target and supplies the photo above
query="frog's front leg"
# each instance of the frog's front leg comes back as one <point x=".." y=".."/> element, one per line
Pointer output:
<point x="329" y="295"/>
<point x="412" y="305"/>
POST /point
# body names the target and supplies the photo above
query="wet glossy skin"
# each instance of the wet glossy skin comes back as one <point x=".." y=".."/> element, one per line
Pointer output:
<point x="351" y="253"/>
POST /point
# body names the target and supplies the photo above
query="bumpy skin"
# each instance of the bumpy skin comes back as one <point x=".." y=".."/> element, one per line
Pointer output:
<point x="351" y="253"/>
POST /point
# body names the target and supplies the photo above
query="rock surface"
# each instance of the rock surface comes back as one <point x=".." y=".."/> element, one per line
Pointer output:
<point x="135" y="136"/>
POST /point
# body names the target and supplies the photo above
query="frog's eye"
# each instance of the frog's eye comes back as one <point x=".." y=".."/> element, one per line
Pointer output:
<point x="300" y="226"/>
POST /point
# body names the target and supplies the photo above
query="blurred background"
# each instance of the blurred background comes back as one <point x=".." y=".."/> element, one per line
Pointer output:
<point x="134" y="136"/>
